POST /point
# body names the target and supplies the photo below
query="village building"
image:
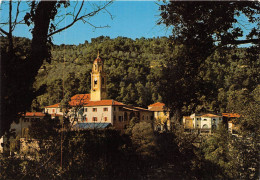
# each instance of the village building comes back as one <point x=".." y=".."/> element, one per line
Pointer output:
<point x="161" y="115"/>
<point x="203" y="122"/>
<point x="95" y="110"/>
<point x="21" y="128"/>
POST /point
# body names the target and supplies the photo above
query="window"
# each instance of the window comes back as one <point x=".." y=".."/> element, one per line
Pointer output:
<point x="95" y="82"/>
<point x="105" y="109"/>
<point x="94" y="118"/>
<point x="151" y="117"/>
<point x="204" y="119"/>
<point x="60" y="109"/>
<point x="205" y="126"/>
<point x="85" y="109"/>
<point x="198" y="119"/>
<point x="143" y="117"/>
<point x="94" y="109"/>
<point x="105" y="118"/>
<point x="120" y="118"/>
<point x="114" y="108"/>
<point x="120" y="108"/>
<point x="114" y="118"/>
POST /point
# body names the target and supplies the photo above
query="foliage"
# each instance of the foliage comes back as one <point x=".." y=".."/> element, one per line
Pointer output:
<point x="198" y="30"/>
<point x="143" y="139"/>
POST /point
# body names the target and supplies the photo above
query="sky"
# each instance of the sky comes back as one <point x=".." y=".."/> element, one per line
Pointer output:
<point x="132" y="19"/>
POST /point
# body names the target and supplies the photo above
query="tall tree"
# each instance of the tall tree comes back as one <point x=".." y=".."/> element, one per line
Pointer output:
<point x="198" y="29"/>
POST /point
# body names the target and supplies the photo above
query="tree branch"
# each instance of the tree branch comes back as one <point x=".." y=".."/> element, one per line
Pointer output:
<point x="17" y="13"/>
<point x="4" y="32"/>
<point x="80" y="18"/>
<point x="253" y="41"/>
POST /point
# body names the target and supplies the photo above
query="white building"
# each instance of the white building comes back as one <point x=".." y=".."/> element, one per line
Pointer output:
<point x="205" y="122"/>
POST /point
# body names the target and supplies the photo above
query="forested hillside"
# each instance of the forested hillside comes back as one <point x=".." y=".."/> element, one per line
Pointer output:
<point x="134" y="72"/>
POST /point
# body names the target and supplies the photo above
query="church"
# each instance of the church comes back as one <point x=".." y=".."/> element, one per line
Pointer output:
<point x="94" y="110"/>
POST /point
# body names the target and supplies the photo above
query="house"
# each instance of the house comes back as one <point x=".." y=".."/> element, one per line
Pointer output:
<point x="21" y="128"/>
<point x="202" y="122"/>
<point x="88" y="109"/>
<point x="231" y="120"/>
<point x="161" y="116"/>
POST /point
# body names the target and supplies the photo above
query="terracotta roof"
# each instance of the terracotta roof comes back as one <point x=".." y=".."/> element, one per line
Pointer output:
<point x="156" y="109"/>
<point x="107" y="102"/>
<point x="187" y="117"/>
<point x="31" y="114"/>
<point x="141" y="109"/>
<point x="158" y="104"/>
<point x="53" y="106"/>
<point x="129" y="109"/>
<point x="209" y="115"/>
<point x="79" y="99"/>
<point x="98" y="59"/>
<point x="231" y="115"/>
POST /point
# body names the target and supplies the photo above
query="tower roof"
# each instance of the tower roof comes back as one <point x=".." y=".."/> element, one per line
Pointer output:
<point x="98" y="59"/>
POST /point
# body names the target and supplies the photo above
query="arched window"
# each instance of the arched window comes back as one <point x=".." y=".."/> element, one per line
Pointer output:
<point x="205" y="126"/>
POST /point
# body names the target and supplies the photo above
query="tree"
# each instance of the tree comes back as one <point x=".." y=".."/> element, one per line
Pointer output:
<point x="198" y="29"/>
<point x="21" y="74"/>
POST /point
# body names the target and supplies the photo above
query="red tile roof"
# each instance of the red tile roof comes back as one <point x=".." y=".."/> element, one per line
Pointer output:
<point x="31" y="114"/>
<point x="209" y="115"/>
<point x="79" y="99"/>
<point x="158" y="104"/>
<point x="231" y="115"/>
<point x="157" y="107"/>
<point x="187" y="117"/>
<point x="138" y="108"/>
<point x="107" y="102"/>
<point x="53" y="106"/>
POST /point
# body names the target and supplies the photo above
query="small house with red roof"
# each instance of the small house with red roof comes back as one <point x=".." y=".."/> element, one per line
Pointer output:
<point x="161" y="116"/>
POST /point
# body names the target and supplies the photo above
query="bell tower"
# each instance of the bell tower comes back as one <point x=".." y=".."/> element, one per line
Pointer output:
<point x="98" y="81"/>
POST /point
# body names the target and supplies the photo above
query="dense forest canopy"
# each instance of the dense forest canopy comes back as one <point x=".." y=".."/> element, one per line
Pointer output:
<point x="134" y="69"/>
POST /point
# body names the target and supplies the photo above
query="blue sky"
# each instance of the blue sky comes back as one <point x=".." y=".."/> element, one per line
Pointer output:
<point x="133" y="19"/>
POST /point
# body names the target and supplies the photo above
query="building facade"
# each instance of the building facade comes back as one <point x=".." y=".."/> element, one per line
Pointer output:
<point x="95" y="108"/>
<point x="202" y="122"/>
<point x="161" y="121"/>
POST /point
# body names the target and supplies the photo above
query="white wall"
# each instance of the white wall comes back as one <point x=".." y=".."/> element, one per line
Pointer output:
<point x="100" y="114"/>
